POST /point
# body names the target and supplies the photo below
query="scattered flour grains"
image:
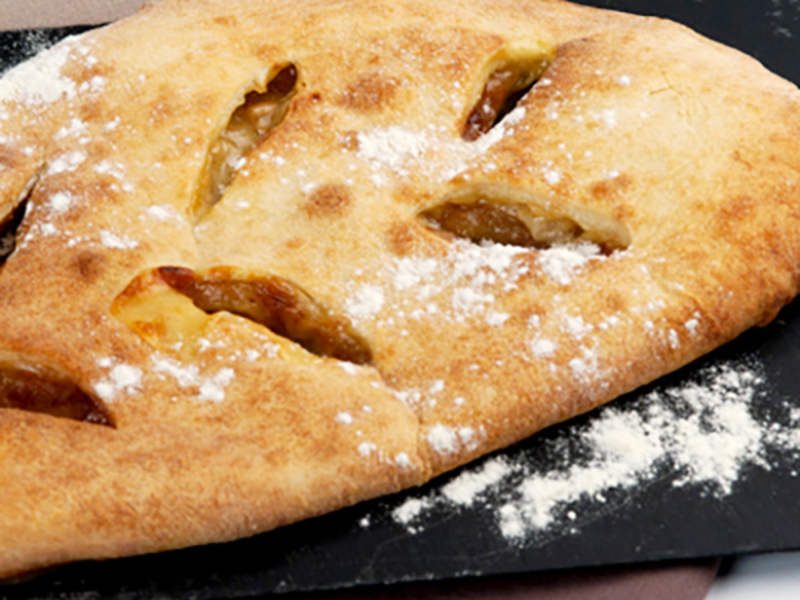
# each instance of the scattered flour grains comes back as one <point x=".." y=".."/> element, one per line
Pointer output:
<point x="701" y="433"/>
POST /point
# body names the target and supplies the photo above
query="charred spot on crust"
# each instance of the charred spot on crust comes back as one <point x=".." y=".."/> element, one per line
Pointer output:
<point x="89" y="265"/>
<point x="9" y="158"/>
<point x="225" y="21"/>
<point x="401" y="238"/>
<point x="162" y="109"/>
<point x="369" y="92"/>
<point x="505" y="87"/>
<point x="328" y="200"/>
<point x="608" y="188"/>
<point x="43" y="391"/>
<point x="251" y="122"/>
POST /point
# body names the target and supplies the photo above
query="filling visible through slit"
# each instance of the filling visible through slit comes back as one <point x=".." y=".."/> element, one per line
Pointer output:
<point x="271" y="301"/>
<point x="46" y="392"/>
<point x="11" y="217"/>
<point x="249" y="125"/>
<point x="512" y="217"/>
<point x="504" y="88"/>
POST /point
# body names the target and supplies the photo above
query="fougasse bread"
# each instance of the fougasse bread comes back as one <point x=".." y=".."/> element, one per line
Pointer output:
<point x="264" y="259"/>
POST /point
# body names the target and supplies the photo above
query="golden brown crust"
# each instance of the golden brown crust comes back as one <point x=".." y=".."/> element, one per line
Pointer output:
<point x="671" y="161"/>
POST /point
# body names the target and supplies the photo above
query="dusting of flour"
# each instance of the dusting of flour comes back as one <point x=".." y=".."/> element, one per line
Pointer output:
<point x="702" y="433"/>
<point x="39" y="80"/>
<point x="398" y="150"/>
<point x="561" y="262"/>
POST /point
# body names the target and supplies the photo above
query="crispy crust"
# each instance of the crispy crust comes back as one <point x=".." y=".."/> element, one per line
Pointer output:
<point x="223" y="428"/>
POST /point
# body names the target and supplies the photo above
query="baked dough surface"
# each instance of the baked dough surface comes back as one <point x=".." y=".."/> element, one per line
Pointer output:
<point x="248" y="282"/>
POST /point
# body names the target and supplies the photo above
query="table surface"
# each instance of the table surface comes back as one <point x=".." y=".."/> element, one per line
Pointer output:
<point x="773" y="576"/>
<point x="769" y="576"/>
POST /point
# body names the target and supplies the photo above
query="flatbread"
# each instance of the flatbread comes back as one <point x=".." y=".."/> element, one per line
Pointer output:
<point x="267" y="259"/>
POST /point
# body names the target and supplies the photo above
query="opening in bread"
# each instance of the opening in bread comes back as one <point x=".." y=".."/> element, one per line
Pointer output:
<point x="512" y="76"/>
<point x="511" y="216"/>
<point x="11" y="216"/>
<point x="277" y="304"/>
<point x="261" y="111"/>
<point x="44" y="391"/>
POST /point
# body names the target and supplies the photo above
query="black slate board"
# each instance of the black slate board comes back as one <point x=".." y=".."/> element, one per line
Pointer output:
<point x="657" y="521"/>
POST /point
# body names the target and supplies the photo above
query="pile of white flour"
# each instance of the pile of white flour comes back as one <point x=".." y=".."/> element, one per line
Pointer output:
<point x="702" y="433"/>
